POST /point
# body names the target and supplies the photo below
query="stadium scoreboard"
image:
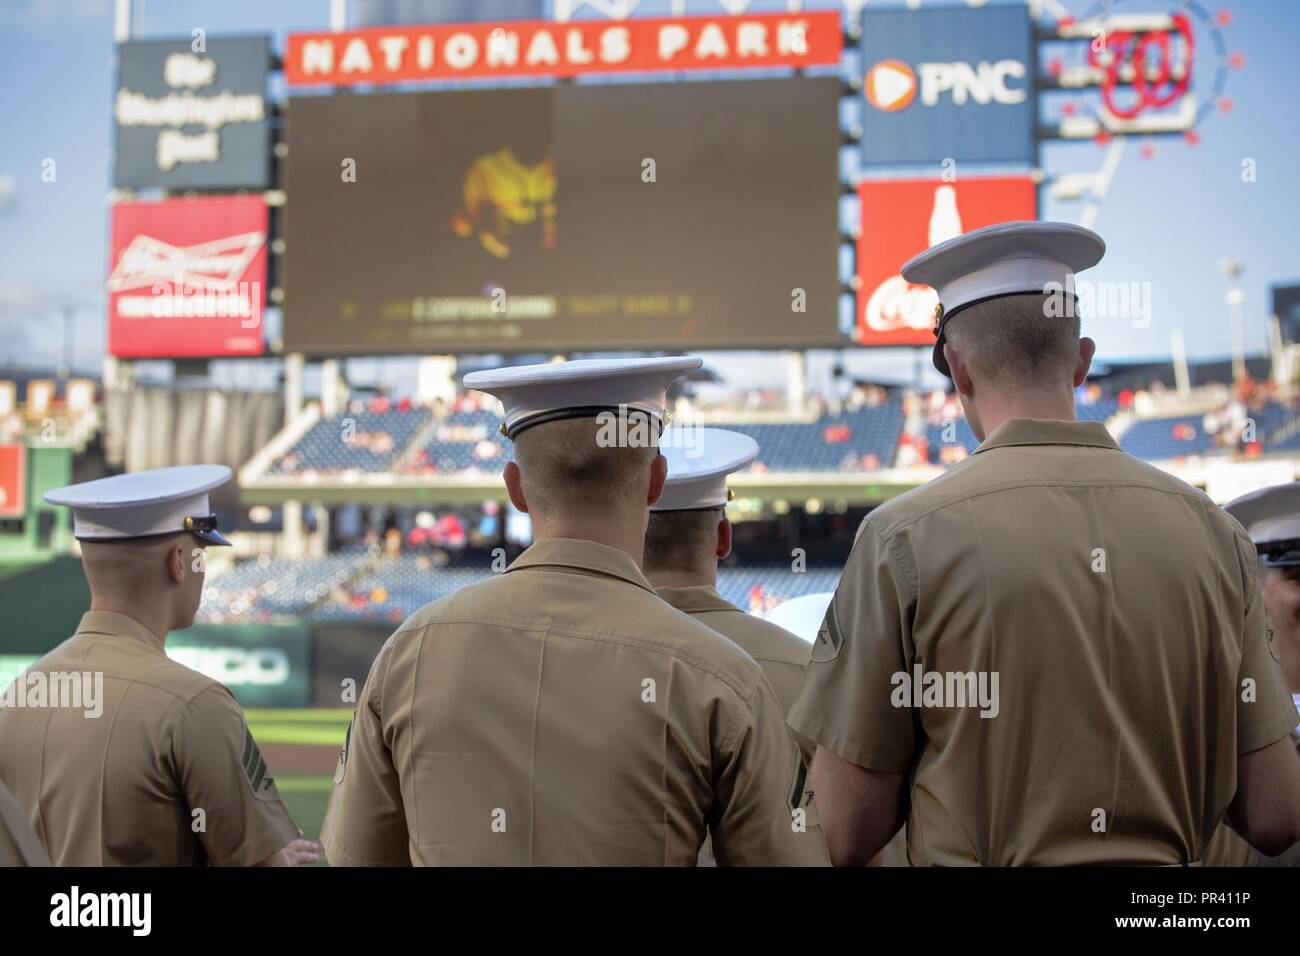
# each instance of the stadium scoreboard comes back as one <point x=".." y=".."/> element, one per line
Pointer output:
<point x="624" y="216"/>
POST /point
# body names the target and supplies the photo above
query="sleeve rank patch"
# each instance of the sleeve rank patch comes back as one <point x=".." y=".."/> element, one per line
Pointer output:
<point x="829" y="637"/>
<point x="262" y="783"/>
<point x="342" y="768"/>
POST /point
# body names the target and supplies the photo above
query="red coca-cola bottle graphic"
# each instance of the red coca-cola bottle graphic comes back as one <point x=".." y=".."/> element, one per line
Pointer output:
<point x="896" y="303"/>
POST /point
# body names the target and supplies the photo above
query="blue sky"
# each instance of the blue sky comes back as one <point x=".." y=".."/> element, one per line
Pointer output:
<point x="1168" y="219"/>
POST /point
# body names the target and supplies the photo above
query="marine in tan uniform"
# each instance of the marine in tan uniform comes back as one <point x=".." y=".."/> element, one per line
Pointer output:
<point x="688" y="533"/>
<point x="1271" y="516"/>
<point x="19" y="845"/>
<point x="117" y="754"/>
<point x="1042" y="656"/>
<point x="561" y="713"/>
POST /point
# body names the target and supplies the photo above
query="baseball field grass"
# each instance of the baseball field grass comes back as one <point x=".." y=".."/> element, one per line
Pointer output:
<point x="302" y="748"/>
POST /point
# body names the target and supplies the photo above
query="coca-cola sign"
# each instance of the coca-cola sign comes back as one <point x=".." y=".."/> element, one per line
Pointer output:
<point x="187" y="278"/>
<point x="901" y="217"/>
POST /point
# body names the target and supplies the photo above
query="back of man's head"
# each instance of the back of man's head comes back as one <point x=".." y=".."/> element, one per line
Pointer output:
<point x="683" y="543"/>
<point x="1018" y="343"/>
<point x="159" y="578"/>
<point x="569" y="468"/>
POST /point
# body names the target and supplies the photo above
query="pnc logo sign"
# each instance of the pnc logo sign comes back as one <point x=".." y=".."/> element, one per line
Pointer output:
<point x="892" y="85"/>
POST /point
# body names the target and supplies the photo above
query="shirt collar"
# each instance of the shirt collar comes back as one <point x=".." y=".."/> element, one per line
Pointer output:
<point x="699" y="597"/>
<point x="116" y="624"/>
<point x="582" y="556"/>
<point x="1042" y="431"/>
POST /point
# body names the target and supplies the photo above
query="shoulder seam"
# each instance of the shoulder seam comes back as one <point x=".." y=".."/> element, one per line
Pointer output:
<point x="889" y="531"/>
<point x="738" y="688"/>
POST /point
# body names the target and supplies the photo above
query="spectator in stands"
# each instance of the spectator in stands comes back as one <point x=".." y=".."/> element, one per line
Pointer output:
<point x="909" y="454"/>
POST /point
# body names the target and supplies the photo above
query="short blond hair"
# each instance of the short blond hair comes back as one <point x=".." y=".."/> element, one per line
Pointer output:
<point x="681" y="540"/>
<point x="565" y="469"/>
<point x="1016" y="340"/>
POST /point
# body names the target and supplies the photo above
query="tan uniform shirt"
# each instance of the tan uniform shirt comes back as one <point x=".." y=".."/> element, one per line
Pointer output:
<point x="19" y="846"/>
<point x="1104" y="616"/>
<point x="165" y="774"/>
<point x="562" y="714"/>
<point x="780" y="654"/>
<point x="1228" y="849"/>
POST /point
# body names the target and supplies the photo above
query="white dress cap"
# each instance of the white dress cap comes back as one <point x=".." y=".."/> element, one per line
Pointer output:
<point x="699" y="461"/>
<point x="145" y="504"/>
<point x="1005" y="259"/>
<point x="1271" y="516"/>
<point x="534" y="394"/>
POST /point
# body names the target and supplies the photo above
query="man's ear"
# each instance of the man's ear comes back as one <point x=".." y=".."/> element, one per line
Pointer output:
<point x="515" y="486"/>
<point x="658" y="475"/>
<point x="176" y="564"/>
<point x="1087" y="349"/>
<point x="961" y="379"/>
<point x="724" y="539"/>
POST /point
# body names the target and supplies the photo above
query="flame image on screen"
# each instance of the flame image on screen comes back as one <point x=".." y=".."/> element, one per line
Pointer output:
<point x="501" y="195"/>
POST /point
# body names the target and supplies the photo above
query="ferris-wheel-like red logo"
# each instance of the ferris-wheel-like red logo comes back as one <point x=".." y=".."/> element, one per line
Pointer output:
<point x="1128" y="53"/>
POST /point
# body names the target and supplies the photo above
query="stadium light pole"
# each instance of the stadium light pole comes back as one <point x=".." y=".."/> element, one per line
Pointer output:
<point x="122" y="21"/>
<point x="1232" y="269"/>
<point x="69" y="327"/>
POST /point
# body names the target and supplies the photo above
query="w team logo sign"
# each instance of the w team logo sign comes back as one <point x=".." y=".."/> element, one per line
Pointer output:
<point x="891" y="85"/>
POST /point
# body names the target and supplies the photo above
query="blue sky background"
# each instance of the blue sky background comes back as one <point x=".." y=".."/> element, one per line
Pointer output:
<point x="1168" y="219"/>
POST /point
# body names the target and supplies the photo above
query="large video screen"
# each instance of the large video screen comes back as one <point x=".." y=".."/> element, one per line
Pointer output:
<point x="681" y="215"/>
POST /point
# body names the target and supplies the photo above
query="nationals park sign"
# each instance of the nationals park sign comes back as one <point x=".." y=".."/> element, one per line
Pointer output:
<point x="378" y="55"/>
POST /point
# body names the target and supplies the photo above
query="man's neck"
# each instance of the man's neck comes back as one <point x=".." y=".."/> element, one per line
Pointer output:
<point x="156" y="619"/>
<point x="613" y="533"/>
<point x="681" y="577"/>
<point x="995" y="410"/>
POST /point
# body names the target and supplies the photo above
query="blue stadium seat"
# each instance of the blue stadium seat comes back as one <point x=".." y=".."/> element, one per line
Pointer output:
<point x="364" y="441"/>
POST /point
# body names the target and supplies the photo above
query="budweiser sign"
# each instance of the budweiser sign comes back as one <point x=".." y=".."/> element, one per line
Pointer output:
<point x="901" y="217"/>
<point x="547" y="48"/>
<point x="188" y="278"/>
<point x="218" y="265"/>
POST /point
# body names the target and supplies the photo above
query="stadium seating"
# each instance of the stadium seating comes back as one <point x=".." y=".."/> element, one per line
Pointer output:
<point x="358" y="586"/>
<point x="1099" y="411"/>
<point x="355" y="440"/>
<point x="1159" y="439"/>
<point x="934" y="438"/>
<point x="863" y="439"/>
<point x="465" y="442"/>
<point x="394" y="588"/>
<point x="268" y="587"/>
<point x="748" y="587"/>
<point x="850" y="441"/>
